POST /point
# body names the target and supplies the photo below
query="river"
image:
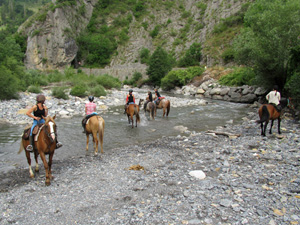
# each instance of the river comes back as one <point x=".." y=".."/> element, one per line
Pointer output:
<point x="119" y="133"/>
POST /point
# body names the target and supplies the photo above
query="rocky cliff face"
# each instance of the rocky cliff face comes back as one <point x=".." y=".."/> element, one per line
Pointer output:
<point x="51" y="43"/>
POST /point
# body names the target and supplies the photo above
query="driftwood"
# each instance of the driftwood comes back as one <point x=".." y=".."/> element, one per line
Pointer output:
<point x="223" y="133"/>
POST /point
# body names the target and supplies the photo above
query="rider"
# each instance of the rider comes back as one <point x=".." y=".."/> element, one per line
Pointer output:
<point x="274" y="97"/>
<point x="39" y="110"/>
<point x="130" y="99"/>
<point x="90" y="110"/>
<point x="157" y="95"/>
<point x="148" y="99"/>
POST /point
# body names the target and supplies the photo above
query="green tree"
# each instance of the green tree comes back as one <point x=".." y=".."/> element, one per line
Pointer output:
<point x="192" y="56"/>
<point x="160" y="63"/>
<point x="271" y="31"/>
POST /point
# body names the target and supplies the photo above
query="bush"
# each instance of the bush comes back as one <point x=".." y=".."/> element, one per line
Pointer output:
<point x="292" y="85"/>
<point x="8" y="84"/>
<point x="145" y="55"/>
<point x="239" y="77"/>
<point x="108" y="81"/>
<point x="59" y="92"/>
<point x="79" y="90"/>
<point x="98" y="91"/>
<point x="179" y="78"/>
<point x="34" y="89"/>
<point x="55" y="76"/>
<point x="192" y="56"/>
<point x="37" y="78"/>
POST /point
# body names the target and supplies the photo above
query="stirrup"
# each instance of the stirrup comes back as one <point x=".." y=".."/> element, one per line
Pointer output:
<point x="29" y="148"/>
<point x="58" y="145"/>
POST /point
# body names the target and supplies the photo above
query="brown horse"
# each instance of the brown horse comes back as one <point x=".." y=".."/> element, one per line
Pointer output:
<point x="149" y="107"/>
<point x="132" y="110"/>
<point x="44" y="144"/>
<point x="268" y="112"/>
<point x="94" y="125"/>
<point x="165" y="105"/>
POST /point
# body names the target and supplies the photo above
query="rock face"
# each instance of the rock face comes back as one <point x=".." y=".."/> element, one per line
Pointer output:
<point x="51" y="43"/>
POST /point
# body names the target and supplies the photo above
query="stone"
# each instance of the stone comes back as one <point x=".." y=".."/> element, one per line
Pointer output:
<point x="198" y="174"/>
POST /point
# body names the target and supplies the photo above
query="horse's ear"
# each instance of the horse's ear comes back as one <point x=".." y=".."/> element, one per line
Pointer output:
<point x="54" y="116"/>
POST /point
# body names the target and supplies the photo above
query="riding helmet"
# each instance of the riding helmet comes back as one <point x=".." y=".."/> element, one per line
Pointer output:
<point x="40" y="98"/>
<point x="91" y="98"/>
<point x="130" y="91"/>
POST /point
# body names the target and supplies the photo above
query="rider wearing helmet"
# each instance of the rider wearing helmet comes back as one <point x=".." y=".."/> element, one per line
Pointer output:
<point x="40" y="111"/>
<point x="157" y="96"/>
<point x="90" y="110"/>
<point x="130" y="99"/>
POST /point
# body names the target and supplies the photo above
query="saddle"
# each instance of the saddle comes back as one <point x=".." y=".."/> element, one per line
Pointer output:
<point x="277" y="107"/>
<point x="26" y="132"/>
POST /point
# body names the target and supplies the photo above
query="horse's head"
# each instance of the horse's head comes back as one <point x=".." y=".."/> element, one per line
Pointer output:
<point x="50" y="126"/>
<point x="141" y="102"/>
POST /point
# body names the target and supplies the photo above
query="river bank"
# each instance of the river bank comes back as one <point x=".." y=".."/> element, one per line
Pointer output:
<point x="248" y="179"/>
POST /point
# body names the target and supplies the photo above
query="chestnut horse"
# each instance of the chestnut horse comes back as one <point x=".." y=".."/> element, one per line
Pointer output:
<point x="132" y="110"/>
<point x="268" y="112"/>
<point x="94" y="125"/>
<point x="149" y="107"/>
<point x="165" y="105"/>
<point x="44" y="144"/>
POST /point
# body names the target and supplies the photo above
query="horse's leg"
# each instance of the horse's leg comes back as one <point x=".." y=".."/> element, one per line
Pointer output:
<point x="265" y="127"/>
<point x="87" y="142"/>
<point x="36" y="161"/>
<point x="50" y="165"/>
<point x="42" y="154"/>
<point x="95" y="140"/>
<point x="101" y="134"/>
<point x="128" y="119"/>
<point x="27" y="153"/>
<point x="279" y="120"/>
<point x="271" y="126"/>
<point x="131" y="117"/>
<point x="262" y="129"/>
<point x="164" y="111"/>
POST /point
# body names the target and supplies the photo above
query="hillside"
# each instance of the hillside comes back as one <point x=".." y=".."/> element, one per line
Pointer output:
<point x="52" y="33"/>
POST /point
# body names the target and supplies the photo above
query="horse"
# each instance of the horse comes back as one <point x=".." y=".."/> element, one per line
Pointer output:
<point x="94" y="125"/>
<point x="44" y="144"/>
<point x="268" y="112"/>
<point x="165" y="105"/>
<point x="132" y="110"/>
<point x="149" y="107"/>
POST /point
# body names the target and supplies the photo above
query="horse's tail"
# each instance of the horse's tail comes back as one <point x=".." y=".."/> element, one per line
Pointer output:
<point x="101" y="126"/>
<point x="136" y="112"/>
<point x="264" y="115"/>
<point x="168" y="107"/>
<point x="152" y="110"/>
<point x="21" y="147"/>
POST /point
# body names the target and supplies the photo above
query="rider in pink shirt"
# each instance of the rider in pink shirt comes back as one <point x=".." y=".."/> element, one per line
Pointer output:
<point x="90" y="110"/>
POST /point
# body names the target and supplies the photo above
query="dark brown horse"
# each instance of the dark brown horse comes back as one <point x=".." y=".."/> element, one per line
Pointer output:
<point x="165" y="105"/>
<point x="94" y="125"/>
<point x="269" y="112"/>
<point x="149" y="107"/>
<point x="132" y="110"/>
<point x="44" y="144"/>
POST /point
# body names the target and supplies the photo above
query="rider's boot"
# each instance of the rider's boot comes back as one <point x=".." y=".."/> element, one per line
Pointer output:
<point x="58" y="144"/>
<point x="30" y="146"/>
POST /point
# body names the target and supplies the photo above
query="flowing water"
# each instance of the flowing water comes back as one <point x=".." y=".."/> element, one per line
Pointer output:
<point x="119" y="133"/>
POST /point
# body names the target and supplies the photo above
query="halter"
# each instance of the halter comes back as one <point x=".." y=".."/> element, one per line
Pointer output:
<point x="52" y="134"/>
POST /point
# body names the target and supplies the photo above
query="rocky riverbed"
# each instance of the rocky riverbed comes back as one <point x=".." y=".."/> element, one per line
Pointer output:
<point x="230" y="175"/>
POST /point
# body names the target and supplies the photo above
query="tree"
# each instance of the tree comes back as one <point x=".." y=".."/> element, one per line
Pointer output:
<point x="192" y="56"/>
<point x="271" y="30"/>
<point x="160" y="64"/>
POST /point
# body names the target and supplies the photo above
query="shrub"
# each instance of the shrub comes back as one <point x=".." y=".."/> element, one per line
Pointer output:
<point x="98" y="91"/>
<point x="59" y="92"/>
<point x="55" y="76"/>
<point x="34" y="89"/>
<point x="179" y="78"/>
<point x="145" y="55"/>
<point x="192" y="56"/>
<point x="79" y="90"/>
<point x="108" y="81"/>
<point x="8" y="84"/>
<point x="292" y="85"/>
<point x="239" y="77"/>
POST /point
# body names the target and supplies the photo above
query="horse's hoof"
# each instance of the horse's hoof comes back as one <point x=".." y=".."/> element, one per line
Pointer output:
<point x="47" y="183"/>
<point x="31" y="175"/>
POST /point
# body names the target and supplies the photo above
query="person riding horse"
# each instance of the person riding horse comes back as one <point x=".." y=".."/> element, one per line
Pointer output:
<point x="90" y="110"/>
<point x="274" y="98"/>
<point x="157" y="96"/>
<point x="39" y="110"/>
<point x="148" y="99"/>
<point x="130" y="99"/>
